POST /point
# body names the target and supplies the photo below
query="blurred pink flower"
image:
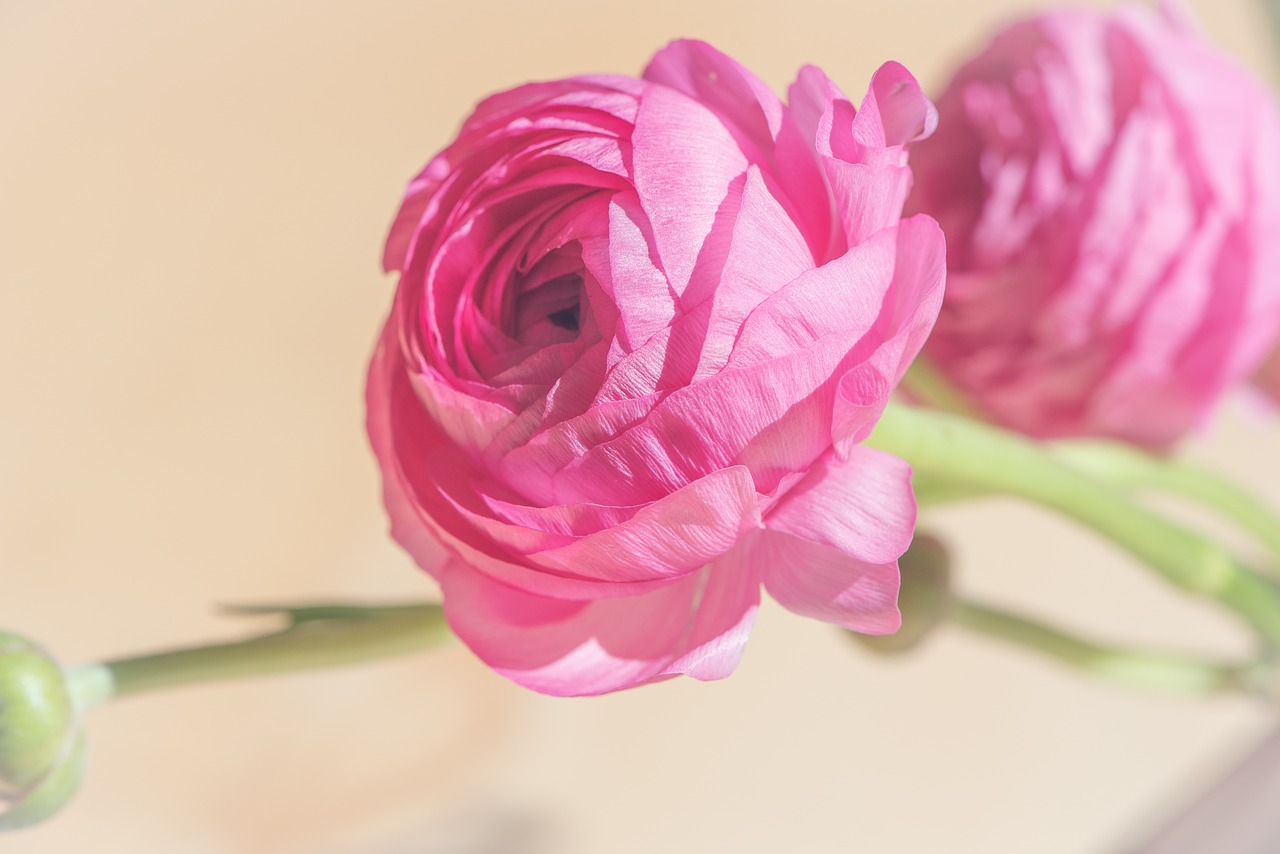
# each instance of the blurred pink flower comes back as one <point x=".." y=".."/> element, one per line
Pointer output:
<point x="640" y="329"/>
<point x="1110" y="189"/>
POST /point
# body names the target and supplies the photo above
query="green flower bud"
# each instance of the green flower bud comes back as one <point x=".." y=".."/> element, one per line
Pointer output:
<point x="924" y="598"/>
<point x="41" y="749"/>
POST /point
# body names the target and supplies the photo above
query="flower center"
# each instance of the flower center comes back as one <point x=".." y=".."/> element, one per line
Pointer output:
<point x="550" y="311"/>
<point x="566" y="318"/>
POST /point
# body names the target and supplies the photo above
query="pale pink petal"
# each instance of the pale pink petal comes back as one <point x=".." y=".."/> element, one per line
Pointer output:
<point x="862" y="151"/>
<point x="669" y="537"/>
<point x="727" y="609"/>
<point x="685" y="162"/>
<point x="861" y="505"/>
<point x="761" y="126"/>
<point x="625" y="267"/>
<point x="919" y="279"/>
<point x="831" y="545"/>
<point x="826" y="584"/>
<point x="701" y="428"/>
<point x="696" y="625"/>
<point x="748" y="108"/>
<point x="842" y="297"/>
<point x="766" y="252"/>
<point x="894" y="112"/>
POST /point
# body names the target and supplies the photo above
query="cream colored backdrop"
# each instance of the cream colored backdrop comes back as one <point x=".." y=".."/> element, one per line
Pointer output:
<point x="192" y="202"/>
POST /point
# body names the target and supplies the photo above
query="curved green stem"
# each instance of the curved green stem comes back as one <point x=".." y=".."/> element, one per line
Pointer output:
<point x="926" y="383"/>
<point x="1146" y="669"/>
<point x="933" y="491"/>
<point x="1130" y="468"/>
<point x="317" y="636"/>
<point x="952" y="448"/>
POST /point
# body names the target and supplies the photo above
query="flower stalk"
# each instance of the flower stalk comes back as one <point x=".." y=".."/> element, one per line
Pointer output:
<point x="947" y="448"/>
<point x="41" y="743"/>
<point x="1152" y="670"/>
<point x="1134" y="470"/>
<point x="316" y="636"/>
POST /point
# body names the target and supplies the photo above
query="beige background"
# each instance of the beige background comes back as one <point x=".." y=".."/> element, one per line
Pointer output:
<point x="192" y="202"/>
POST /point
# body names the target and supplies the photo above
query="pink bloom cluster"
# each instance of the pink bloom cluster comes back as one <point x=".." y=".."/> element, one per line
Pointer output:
<point x="1109" y="186"/>
<point x="640" y="329"/>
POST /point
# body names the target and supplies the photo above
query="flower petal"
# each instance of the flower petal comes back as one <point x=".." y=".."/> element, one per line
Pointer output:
<point x="744" y="104"/>
<point x="863" y="151"/>
<point x="685" y="163"/>
<point x="697" y="625"/>
<point x="831" y="545"/>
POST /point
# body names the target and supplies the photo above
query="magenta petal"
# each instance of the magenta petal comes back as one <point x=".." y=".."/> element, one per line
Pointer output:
<point x="666" y="538"/>
<point x="575" y="648"/>
<point x="747" y="107"/>
<point x="685" y="162"/>
<point x="862" y="505"/>
<point x="895" y="110"/>
<point x="766" y="251"/>
<point x="862" y="151"/>
<point x="826" y="584"/>
<point x="624" y="267"/>
<point x="382" y="394"/>
<point x="727" y="610"/>
<point x="835" y="538"/>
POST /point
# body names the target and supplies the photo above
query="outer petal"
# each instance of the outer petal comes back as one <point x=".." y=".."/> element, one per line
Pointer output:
<point x="425" y="480"/>
<point x="762" y="127"/>
<point x="747" y="107"/>
<point x="726" y="613"/>
<point x="906" y="317"/>
<point x="686" y="165"/>
<point x="408" y="527"/>
<point x="894" y="111"/>
<point x="766" y="252"/>
<point x="863" y="152"/>
<point x="830" y="547"/>
<point x="669" y="537"/>
<point x="697" y="626"/>
<point x="624" y="266"/>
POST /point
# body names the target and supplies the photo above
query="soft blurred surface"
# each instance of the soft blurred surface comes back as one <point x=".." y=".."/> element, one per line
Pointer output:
<point x="192" y="202"/>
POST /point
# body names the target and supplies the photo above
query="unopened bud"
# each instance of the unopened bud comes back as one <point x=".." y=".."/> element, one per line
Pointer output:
<point x="41" y="749"/>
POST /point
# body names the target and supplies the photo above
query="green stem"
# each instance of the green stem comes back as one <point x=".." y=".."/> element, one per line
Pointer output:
<point x="932" y="491"/>
<point x="948" y="447"/>
<point x="317" y="636"/>
<point x="1130" y="468"/>
<point x="927" y="384"/>
<point x="1157" y="671"/>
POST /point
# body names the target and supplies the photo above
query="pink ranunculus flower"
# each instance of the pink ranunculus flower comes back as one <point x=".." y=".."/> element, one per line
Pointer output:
<point x="641" y="327"/>
<point x="1110" y="189"/>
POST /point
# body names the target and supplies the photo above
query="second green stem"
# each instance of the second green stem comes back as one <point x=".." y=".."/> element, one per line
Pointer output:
<point x="953" y="449"/>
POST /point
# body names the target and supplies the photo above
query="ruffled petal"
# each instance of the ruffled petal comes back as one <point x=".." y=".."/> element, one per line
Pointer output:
<point x="831" y="545"/>
<point x="625" y="266"/>
<point x="697" y="625"/>
<point x="746" y="106"/>
<point x="863" y="151"/>
<point x="685" y="164"/>
<point x="670" y="537"/>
